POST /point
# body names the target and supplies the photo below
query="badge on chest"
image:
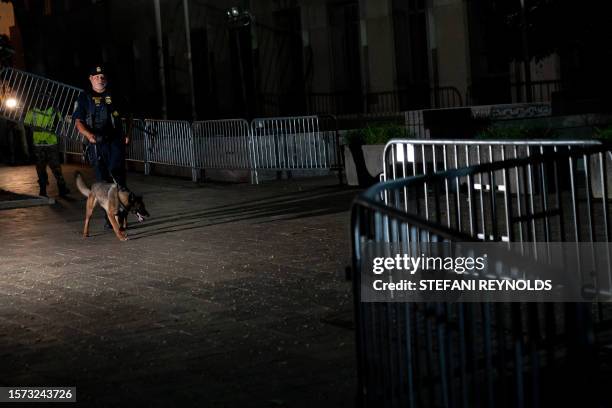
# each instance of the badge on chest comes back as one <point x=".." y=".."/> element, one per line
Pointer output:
<point x="98" y="100"/>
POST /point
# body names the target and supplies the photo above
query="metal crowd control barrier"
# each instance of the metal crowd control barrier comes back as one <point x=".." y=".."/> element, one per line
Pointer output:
<point x="484" y="354"/>
<point x="22" y="91"/>
<point x="296" y="143"/>
<point x="169" y="142"/>
<point x="410" y="157"/>
<point x="290" y="143"/>
<point x="224" y="144"/>
<point x="137" y="150"/>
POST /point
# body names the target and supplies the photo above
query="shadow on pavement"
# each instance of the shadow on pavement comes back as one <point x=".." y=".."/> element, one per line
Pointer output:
<point x="312" y="203"/>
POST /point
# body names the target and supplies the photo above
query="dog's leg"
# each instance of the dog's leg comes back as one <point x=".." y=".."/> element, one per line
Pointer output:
<point x="113" y="220"/>
<point x="89" y="207"/>
<point x="121" y="216"/>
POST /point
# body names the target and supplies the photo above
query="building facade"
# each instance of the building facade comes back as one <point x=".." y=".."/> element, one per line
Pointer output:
<point x="288" y="56"/>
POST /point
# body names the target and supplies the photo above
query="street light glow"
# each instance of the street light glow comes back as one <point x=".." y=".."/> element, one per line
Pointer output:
<point x="11" y="103"/>
<point x="238" y="17"/>
<point x="233" y="12"/>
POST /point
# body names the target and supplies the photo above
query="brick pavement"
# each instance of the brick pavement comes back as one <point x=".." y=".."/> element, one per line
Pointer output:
<point x="230" y="295"/>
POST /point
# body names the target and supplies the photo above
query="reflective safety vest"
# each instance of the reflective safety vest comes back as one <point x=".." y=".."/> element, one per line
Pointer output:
<point x="43" y="124"/>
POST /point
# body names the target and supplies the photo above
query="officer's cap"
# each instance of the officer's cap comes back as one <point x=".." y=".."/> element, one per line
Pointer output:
<point x="97" y="70"/>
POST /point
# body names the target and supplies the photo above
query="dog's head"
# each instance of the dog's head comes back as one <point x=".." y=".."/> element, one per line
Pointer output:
<point x="137" y="207"/>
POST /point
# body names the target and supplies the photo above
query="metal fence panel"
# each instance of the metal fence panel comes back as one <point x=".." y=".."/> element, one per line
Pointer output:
<point x="22" y="91"/>
<point x="287" y="143"/>
<point x="405" y="158"/>
<point x="294" y="143"/>
<point x="410" y="157"/>
<point x="171" y="142"/>
<point x="223" y="144"/>
<point x="416" y="124"/>
<point x="137" y="151"/>
<point x="443" y="354"/>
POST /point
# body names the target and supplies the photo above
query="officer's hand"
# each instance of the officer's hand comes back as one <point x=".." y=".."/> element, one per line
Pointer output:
<point x="92" y="139"/>
<point x="127" y="140"/>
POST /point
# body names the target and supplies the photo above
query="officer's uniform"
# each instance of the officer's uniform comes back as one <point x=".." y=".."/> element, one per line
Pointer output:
<point x="45" y="146"/>
<point x="101" y="114"/>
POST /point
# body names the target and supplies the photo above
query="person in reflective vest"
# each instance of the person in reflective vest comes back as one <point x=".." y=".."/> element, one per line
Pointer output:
<point x="43" y="122"/>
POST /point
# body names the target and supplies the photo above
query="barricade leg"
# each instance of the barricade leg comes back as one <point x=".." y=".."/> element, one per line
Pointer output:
<point x="194" y="168"/>
<point x="147" y="149"/>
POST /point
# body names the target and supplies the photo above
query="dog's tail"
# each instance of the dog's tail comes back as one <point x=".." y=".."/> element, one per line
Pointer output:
<point x="78" y="178"/>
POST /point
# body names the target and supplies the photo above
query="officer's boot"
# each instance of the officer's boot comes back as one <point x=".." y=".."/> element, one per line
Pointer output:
<point x="42" y="189"/>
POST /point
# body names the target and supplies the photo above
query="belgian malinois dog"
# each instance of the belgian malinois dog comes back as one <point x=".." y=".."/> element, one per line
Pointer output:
<point x="116" y="202"/>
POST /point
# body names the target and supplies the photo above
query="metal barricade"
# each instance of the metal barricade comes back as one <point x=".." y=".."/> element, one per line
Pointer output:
<point x="224" y="144"/>
<point x="405" y="158"/>
<point x="170" y="143"/>
<point x="22" y="91"/>
<point x="484" y="354"/>
<point x="415" y="124"/>
<point x="288" y="143"/>
<point x="73" y="144"/>
<point x="410" y="157"/>
<point x="136" y="150"/>
<point x="295" y="143"/>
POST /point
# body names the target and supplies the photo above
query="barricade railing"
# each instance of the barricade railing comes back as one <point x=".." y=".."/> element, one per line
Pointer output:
<point x="137" y="150"/>
<point x="21" y="92"/>
<point x="295" y="143"/>
<point x="412" y="157"/>
<point x="71" y="145"/>
<point x="541" y="91"/>
<point x="170" y="142"/>
<point x="482" y="354"/>
<point x="224" y="144"/>
<point x="287" y="143"/>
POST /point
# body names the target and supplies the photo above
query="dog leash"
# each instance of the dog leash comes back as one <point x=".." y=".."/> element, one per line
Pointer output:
<point x="99" y="158"/>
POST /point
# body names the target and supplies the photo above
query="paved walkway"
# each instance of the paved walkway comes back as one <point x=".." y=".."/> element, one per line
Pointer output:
<point x="229" y="296"/>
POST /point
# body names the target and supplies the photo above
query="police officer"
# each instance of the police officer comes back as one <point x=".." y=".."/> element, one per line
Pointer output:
<point x="43" y="121"/>
<point x="97" y="117"/>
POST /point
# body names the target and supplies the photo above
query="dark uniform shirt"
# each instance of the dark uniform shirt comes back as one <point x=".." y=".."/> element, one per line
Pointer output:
<point x="101" y="112"/>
